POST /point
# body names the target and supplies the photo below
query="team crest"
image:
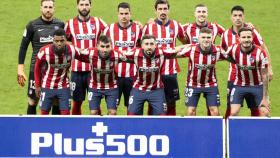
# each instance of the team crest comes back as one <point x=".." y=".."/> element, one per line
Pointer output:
<point x="213" y="58"/>
<point x="56" y="27"/>
<point x="92" y="26"/>
<point x="195" y="39"/>
<point x="132" y="34"/>
<point x="252" y="59"/>
<point x="171" y="31"/>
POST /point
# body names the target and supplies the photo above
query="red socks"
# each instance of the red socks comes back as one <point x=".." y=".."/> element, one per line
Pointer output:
<point x="76" y="109"/>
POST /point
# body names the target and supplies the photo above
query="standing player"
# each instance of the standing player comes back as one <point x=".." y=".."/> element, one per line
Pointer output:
<point x="230" y="37"/>
<point x="166" y="31"/>
<point x="40" y="33"/>
<point x="251" y="77"/>
<point x="52" y="82"/>
<point x="148" y="86"/>
<point x="125" y="35"/>
<point x="83" y="31"/>
<point x="201" y="79"/>
<point x="192" y="30"/>
<point x="103" y="81"/>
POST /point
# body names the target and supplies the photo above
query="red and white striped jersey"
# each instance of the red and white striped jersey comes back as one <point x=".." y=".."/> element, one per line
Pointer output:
<point x="83" y="34"/>
<point x="166" y="37"/>
<point x="201" y="68"/>
<point x="124" y="39"/>
<point x="192" y="31"/>
<point x="229" y="38"/>
<point x="248" y="65"/>
<point x="55" y="73"/>
<point x="148" y="76"/>
<point x="103" y="73"/>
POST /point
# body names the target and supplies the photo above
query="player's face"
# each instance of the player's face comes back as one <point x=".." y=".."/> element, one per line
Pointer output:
<point x="59" y="42"/>
<point x="162" y="12"/>
<point x="84" y="8"/>
<point x="104" y="49"/>
<point x="47" y="9"/>
<point x="201" y="14"/>
<point x="124" y="15"/>
<point x="205" y="40"/>
<point x="149" y="46"/>
<point x="246" y="39"/>
<point x="237" y="18"/>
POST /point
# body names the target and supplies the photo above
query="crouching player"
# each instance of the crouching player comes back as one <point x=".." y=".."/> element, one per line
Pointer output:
<point x="251" y="78"/>
<point x="51" y="73"/>
<point x="103" y="80"/>
<point x="148" y="85"/>
<point x="201" y="79"/>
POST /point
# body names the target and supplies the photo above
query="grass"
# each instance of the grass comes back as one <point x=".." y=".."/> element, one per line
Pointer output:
<point x="14" y="15"/>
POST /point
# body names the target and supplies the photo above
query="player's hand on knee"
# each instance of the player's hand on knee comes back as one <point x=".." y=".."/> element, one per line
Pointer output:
<point x="21" y="78"/>
<point x="38" y="91"/>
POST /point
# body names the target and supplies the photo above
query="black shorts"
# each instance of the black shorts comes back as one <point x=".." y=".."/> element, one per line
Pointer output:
<point x="171" y="88"/>
<point x="31" y="86"/>
<point x="125" y="85"/>
<point x="79" y="85"/>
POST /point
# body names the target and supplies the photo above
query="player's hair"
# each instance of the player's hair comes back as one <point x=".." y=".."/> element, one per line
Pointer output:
<point x="59" y="32"/>
<point x="148" y="37"/>
<point x="124" y="5"/>
<point x="200" y="5"/>
<point x="244" y="29"/>
<point x="46" y="0"/>
<point x="205" y="30"/>
<point x="237" y="8"/>
<point x="78" y="1"/>
<point x="162" y="2"/>
<point x="104" y="39"/>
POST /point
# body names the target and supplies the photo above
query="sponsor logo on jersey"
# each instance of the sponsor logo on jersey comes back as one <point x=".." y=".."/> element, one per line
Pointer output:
<point x="56" y="27"/>
<point x="204" y="66"/>
<point x="148" y="69"/>
<point x="85" y="36"/>
<point x="61" y="66"/>
<point x="124" y="44"/>
<point x="245" y="67"/>
<point x="102" y="71"/>
<point x="161" y="41"/>
<point x="48" y="39"/>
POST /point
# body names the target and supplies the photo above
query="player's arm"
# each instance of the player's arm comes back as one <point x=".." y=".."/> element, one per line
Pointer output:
<point x="27" y="37"/>
<point x="37" y="72"/>
<point x="126" y="56"/>
<point x="183" y="51"/>
<point x="270" y="72"/>
<point x="265" y="100"/>
<point x="181" y="35"/>
<point x="82" y="54"/>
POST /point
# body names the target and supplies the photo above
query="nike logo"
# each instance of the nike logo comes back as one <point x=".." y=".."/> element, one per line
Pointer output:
<point x="39" y="30"/>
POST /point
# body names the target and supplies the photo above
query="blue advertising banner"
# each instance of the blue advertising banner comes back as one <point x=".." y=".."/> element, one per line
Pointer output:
<point x="253" y="137"/>
<point x="194" y="137"/>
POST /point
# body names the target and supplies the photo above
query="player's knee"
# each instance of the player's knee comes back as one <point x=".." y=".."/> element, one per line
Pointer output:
<point x="214" y="111"/>
<point x="191" y="111"/>
<point x="32" y="102"/>
<point x="112" y="112"/>
<point x="94" y="112"/>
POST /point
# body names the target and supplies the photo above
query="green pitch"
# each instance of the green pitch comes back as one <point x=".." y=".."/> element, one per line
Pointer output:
<point x="14" y="16"/>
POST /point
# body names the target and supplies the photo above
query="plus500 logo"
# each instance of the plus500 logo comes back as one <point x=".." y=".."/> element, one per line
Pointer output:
<point x="112" y="145"/>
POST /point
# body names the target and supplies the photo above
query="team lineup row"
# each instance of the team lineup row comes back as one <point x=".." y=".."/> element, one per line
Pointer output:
<point x="114" y="65"/>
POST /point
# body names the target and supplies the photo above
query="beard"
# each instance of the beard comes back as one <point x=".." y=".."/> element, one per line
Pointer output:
<point x="84" y="13"/>
<point x="149" y="53"/>
<point x="58" y="51"/>
<point x="47" y="15"/>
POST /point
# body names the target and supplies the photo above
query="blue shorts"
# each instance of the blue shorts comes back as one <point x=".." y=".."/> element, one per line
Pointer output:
<point x="79" y="85"/>
<point x="211" y="94"/>
<point x="252" y="94"/>
<point x="95" y="96"/>
<point x="125" y="85"/>
<point x="171" y="88"/>
<point x="47" y="96"/>
<point x="155" y="98"/>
